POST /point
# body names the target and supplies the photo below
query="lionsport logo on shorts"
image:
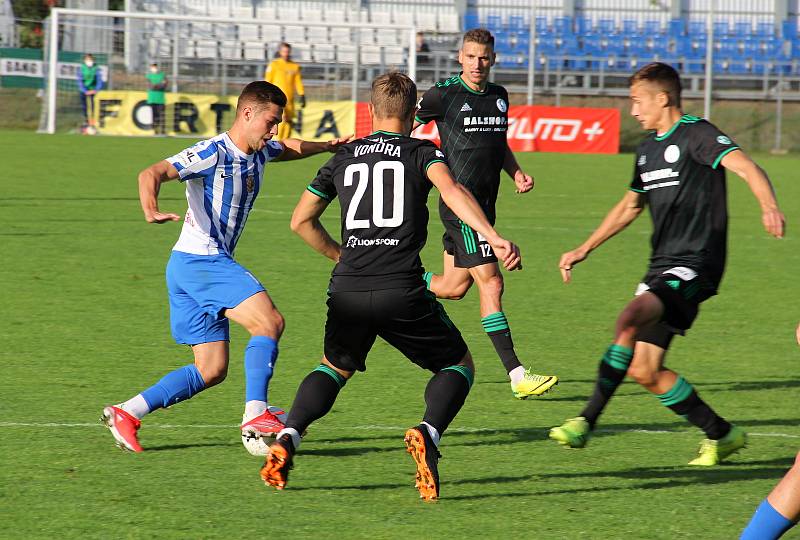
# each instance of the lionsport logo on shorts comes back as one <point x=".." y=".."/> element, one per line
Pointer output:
<point x="353" y="242"/>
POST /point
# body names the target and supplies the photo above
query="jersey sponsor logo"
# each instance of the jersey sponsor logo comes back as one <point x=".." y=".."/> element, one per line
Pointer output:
<point x="439" y="153"/>
<point x="353" y="242"/>
<point x="642" y="160"/>
<point x="485" y="121"/>
<point x="672" y="153"/>
<point x="502" y="106"/>
<point x="659" y="174"/>
<point x="722" y="139"/>
<point x="187" y="157"/>
<point x="466" y="108"/>
<point x="380" y="147"/>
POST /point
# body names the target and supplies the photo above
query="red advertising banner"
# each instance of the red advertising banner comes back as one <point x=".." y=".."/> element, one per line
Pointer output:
<point x="535" y="128"/>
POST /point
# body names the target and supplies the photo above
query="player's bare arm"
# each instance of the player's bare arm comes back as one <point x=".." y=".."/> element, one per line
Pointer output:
<point x="524" y="182"/>
<point x="150" y="181"/>
<point x="298" y="149"/>
<point x="463" y="203"/>
<point x="306" y="223"/>
<point x="622" y="215"/>
<point x="772" y="217"/>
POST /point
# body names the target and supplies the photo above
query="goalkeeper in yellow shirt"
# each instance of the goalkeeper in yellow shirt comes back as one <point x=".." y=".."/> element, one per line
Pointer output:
<point x="285" y="74"/>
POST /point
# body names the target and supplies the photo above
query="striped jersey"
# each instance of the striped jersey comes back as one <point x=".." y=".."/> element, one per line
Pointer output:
<point x="222" y="182"/>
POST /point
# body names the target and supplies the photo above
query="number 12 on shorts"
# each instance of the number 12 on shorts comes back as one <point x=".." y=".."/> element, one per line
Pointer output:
<point x="486" y="249"/>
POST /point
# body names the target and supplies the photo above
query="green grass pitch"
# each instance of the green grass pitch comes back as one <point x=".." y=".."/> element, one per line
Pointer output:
<point x="85" y="324"/>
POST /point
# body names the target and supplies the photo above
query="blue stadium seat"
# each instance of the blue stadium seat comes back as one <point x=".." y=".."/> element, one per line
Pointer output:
<point x="517" y="23"/>
<point x="697" y="28"/>
<point x="503" y="42"/>
<point x="765" y="29"/>
<point x="606" y="26"/>
<point x="583" y="26"/>
<point x="562" y="26"/>
<point x="721" y="29"/>
<point x="471" y="20"/>
<point x="789" y="29"/>
<point x="677" y="27"/>
<point x="494" y="23"/>
<point x="742" y="28"/>
<point x="652" y="28"/>
<point x="630" y="27"/>
<point x="541" y="25"/>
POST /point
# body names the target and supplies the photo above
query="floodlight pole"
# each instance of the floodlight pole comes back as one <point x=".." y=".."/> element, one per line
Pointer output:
<point x="709" y="61"/>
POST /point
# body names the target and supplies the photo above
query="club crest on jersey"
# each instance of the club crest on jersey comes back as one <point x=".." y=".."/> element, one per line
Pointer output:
<point x="642" y="160"/>
<point x="502" y="105"/>
<point x="251" y="183"/>
<point x="722" y="139"/>
<point x="672" y="153"/>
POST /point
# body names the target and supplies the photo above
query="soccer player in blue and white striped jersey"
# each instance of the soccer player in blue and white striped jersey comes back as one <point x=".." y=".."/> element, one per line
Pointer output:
<point x="223" y="176"/>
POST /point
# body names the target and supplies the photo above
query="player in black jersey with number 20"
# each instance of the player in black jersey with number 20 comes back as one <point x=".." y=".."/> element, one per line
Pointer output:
<point x="377" y="289"/>
<point x="680" y="174"/>
<point x="472" y="117"/>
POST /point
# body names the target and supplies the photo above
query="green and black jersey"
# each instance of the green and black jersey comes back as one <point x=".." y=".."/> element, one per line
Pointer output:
<point x="382" y="184"/>
<point x="680" y="175"/>
<point x="472" y="127"/>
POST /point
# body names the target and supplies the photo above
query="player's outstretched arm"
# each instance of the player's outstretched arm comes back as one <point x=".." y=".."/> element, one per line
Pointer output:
<point x="150" y="181"/>
<point x="298" y="149"/>
<point x="622" y="215"/>
<point x="524" y="182"/>
<point x="463" y="203"/>
<point x="772" y="217"/>
<point x="306" y="223"/>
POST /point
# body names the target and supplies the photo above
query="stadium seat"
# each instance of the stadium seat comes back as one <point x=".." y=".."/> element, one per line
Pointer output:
<point x="345" y="54"/>
<point x="494" y="23"/>
<point x="265" y="12"/>
<point x="387" y="36"/>
<point x="341" y="35"/>
<point x="765" y="29"/>
<point x="254" y="50"/>
<point x="371" y="55"/>
<point x="381" y="17"/>
<point x="448" y="22"/>
<point x="312" y="15"/>
<point x="720" y="29"/>
<point x="205" y="48"/>
<point x="366" y="36"/>
<point x="677" y="27"/>
<point x="248" y="32"/>
<point x="271" y="32"/>
<point x="517" y="23"/>
<point x="742" y="28"/>
<point x="394" y="56"/>
<point x="541" y="25"/>
<point x="294" y="34"/>
<point x="301" y="52"/>
<point x="231" y="50"/>
<point x="606" y="27"/>
<point x="317" y="34"/>
<point x="562" y="26"/>
<point x="583" y="26"/>
<point x="697" y="29"/>
<point x="471" y="20"/>
<point x="789" y="29"/>
<point x="652" y="28"/>
<point x="335" y="16"/>
<point x="630" y="27"/>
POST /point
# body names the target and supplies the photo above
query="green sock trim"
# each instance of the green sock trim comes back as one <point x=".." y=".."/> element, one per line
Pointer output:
<point x="680" y="391"/>
<point x="427" y="277"/>
<point x="496" y="322"/>
<point x="465" y="371"/>
<point x="335" y="375"/>
<point x="618" y="357"/>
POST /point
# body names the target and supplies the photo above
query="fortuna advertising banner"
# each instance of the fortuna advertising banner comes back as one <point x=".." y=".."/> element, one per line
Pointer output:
<point x="203" y="115"/>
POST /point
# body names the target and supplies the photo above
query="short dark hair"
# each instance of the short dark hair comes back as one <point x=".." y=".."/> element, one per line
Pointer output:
<point x="284" y="44"/>
<point x="394" y="95"/>
<point x="261" y="93"/>
<point x="662" y="75"/>
<point x="481" y="36"/>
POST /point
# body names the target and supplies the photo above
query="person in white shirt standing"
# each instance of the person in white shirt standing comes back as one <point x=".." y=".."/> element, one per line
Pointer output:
<point x="207" y="288"/>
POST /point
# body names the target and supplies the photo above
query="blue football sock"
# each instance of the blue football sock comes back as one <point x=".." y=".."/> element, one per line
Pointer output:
<point x="175" y="386"/>
<point x="259" y="361"/>
<point x="766" y="524"/>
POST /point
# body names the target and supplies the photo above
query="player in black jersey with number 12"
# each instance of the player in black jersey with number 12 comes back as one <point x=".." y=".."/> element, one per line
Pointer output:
<point x="377" y="289"/>
<point x="680" y="174"/>
<point x="471" y="115"/>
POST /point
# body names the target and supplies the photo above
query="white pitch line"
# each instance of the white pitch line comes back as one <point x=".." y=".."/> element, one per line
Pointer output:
<point x="363" y="428"/>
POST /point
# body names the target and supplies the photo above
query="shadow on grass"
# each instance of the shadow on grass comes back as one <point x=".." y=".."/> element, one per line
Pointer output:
<point x="169" y="447"/>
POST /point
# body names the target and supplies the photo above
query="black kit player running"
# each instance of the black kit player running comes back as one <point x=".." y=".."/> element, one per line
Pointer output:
<point x="376" y="288"/>
<point x="680" y="175"/>
<point x="472" y="127"/>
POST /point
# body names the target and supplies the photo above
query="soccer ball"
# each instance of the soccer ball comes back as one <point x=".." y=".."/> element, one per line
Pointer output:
<point x="259" y="446"/>
<point x="90" y="130"/>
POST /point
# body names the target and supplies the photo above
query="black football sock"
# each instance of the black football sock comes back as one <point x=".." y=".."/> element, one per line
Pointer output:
<point x="445" y="395"/>
<point x="683" y="400"/>
<point x="611" y="373"/>
<point x="496" y="326"/>
<point x="315" y="397"/>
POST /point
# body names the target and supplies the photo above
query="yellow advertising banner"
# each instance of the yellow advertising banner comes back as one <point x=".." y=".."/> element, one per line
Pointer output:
<point x="205" y="115"/>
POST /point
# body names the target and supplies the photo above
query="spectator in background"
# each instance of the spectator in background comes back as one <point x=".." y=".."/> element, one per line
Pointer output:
<point x="156" y="91"/>
<point x="423" y="51"/>
<point x="285" y="74"/>
<point x="89" y="83"/>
